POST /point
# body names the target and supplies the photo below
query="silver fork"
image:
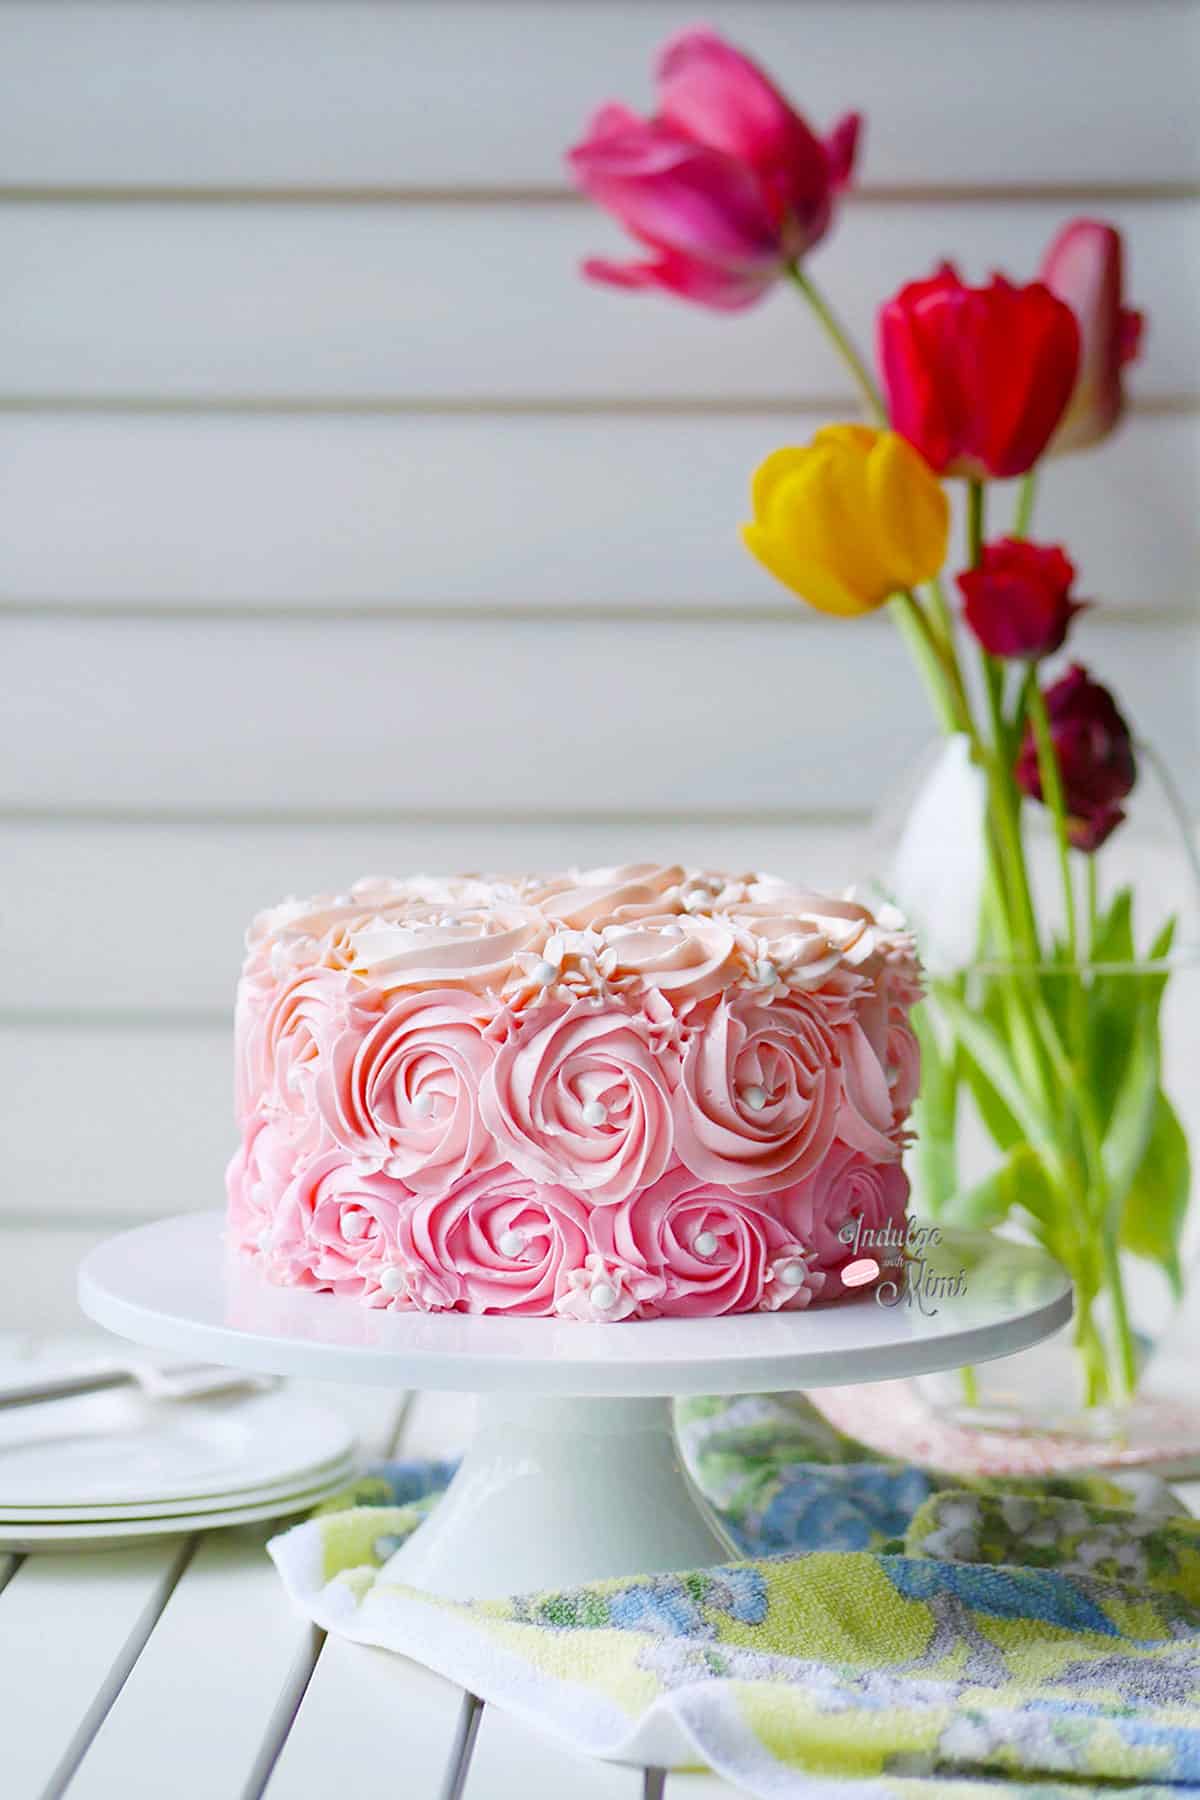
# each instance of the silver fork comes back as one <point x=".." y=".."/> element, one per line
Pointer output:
<point x="177" y="1381"/>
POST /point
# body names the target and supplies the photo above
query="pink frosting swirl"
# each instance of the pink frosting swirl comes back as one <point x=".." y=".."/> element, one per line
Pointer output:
<point x="903" y="1067"/>
<point x="685" y="958"/>
<point x="866" y="1118"/>
<point x="494" y="1243"/>
<point x="579" y="1095"/>
<point x="405" y="1097"/>
<point x="596" y="896"/>
<point x="469" y="946"/>
<point x="334" y="1225"/>
<point x="834" y="1210"/>
<point x="255" y="992"/>
<point x="258" y="1172"/>
<point x="758" y="1102"/>
<point x="286" y="1047"/>
<point x="712" y="1250"/>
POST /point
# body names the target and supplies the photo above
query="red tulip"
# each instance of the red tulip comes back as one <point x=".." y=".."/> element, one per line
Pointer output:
<point x="1083" y="266"/>
<point x="726" y="184"/>
<point x="977" y="378"/>
<point x="1018" y="601"/>
<point x="1095" y="757"/>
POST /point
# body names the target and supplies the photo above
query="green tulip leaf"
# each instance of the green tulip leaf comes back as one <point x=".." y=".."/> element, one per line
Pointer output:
<point x="1001" y="1125"/>
<point x="982" y="1044"/>
<point x="935" y="1116"/>
<point x="1156" y="1200"/>
<point x="1133" y="1113"/>
<point x="1132" y="1118"/>
<point x="1019" y="1181"/>
<point x="1116" y="1004"/>
<point x="1112" y="941"/>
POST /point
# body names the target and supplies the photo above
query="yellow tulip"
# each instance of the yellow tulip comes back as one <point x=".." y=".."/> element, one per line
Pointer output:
<point x="849" y="520"/>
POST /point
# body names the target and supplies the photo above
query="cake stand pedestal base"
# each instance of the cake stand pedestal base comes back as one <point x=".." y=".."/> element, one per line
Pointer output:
<point x="556" y="1492"/>
<point x="574" y="1474"/>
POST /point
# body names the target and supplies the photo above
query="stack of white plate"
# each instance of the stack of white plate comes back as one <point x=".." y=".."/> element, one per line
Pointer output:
<point x="115" y="1467"/>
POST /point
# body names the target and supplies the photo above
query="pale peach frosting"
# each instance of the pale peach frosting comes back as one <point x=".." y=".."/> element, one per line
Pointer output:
<point x="610" y="1094"/>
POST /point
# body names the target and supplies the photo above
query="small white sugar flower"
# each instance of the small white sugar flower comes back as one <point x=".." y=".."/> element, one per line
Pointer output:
<point x="791" y="1280"/>
<point x="603" y="1291"/>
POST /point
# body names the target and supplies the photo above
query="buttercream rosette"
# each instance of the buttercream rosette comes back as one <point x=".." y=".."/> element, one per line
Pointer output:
<point x="609" y="1094"/>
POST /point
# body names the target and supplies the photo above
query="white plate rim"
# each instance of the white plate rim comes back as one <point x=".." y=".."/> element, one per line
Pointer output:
<point x="339" y="1473"/>
<point x="299" y="1421"/>
<point x="114" y="1532"/>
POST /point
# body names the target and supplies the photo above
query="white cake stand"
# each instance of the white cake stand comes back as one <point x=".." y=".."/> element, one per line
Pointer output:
<point x="573" y="1473"/>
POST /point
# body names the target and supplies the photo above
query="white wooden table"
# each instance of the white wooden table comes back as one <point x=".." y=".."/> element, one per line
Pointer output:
<point x="180" y="1669"/>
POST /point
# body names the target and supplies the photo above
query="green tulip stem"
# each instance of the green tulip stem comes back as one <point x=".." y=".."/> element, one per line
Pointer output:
<point x="843" y="343"/>
<point x="1026" y="495"/>
<point x="976" y="513"/>
<point x="1005" y="803"/>
<point x="928" y="654"/>
<point x="1093" y="906"/>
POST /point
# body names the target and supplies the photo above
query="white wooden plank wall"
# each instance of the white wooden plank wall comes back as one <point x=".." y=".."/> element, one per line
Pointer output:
<point x="342" y="528"/>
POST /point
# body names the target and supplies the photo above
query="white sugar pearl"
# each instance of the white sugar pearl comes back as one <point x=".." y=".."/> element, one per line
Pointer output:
<point x="354" y="1226"/>
<point x="422" y="1104"/>
<point x="545" y="973"/>
<point x="705" y="1243"/>
<point x="793" y="1274"/>
<point x="511" y="1243"/>
<point x="603" y="1296"/>
<point x="392" y="1279"/>
<point x="595" y="1113"/>
<point x="754" y="1097"/>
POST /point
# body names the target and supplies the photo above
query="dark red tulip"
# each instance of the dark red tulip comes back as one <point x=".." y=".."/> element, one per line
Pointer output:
<point x="1018" y="600"/>
<point x="977" y="378"/>
<point x="1095" y="757"/>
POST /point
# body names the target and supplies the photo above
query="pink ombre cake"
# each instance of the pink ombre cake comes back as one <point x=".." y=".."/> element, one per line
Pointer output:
<point x="610" y="1094"/>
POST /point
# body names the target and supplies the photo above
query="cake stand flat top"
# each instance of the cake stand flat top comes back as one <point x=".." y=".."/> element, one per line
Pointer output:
<point x="177" y="1286"/>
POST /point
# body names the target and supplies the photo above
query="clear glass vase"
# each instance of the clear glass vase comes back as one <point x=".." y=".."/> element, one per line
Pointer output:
<point x="1059" y="1092"/>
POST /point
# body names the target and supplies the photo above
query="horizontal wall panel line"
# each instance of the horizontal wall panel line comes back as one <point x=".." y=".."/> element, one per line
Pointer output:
<point x="117" y="1019"/>
<point x="103" y="1219"/>
<point x="528" y="716"/>
<point x="438" y="97"/>
<point x="376" y="512"/>
<point x="351" y="817"/>
<point x="1083" y="194"/>
<point x="167" y="613"/>
<point x="486" y="303"/>
<point x="193" y="887"/>
<point x="1184" y="404"/>
<point x="480" y="405"/>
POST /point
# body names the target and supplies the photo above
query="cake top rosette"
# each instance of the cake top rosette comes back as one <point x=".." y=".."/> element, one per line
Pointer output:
<point x="641" y="933"/>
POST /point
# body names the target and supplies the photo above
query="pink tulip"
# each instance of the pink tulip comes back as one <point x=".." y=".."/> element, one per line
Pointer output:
<point x="1083" y="266"/>
<point x="726" y="184"/>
